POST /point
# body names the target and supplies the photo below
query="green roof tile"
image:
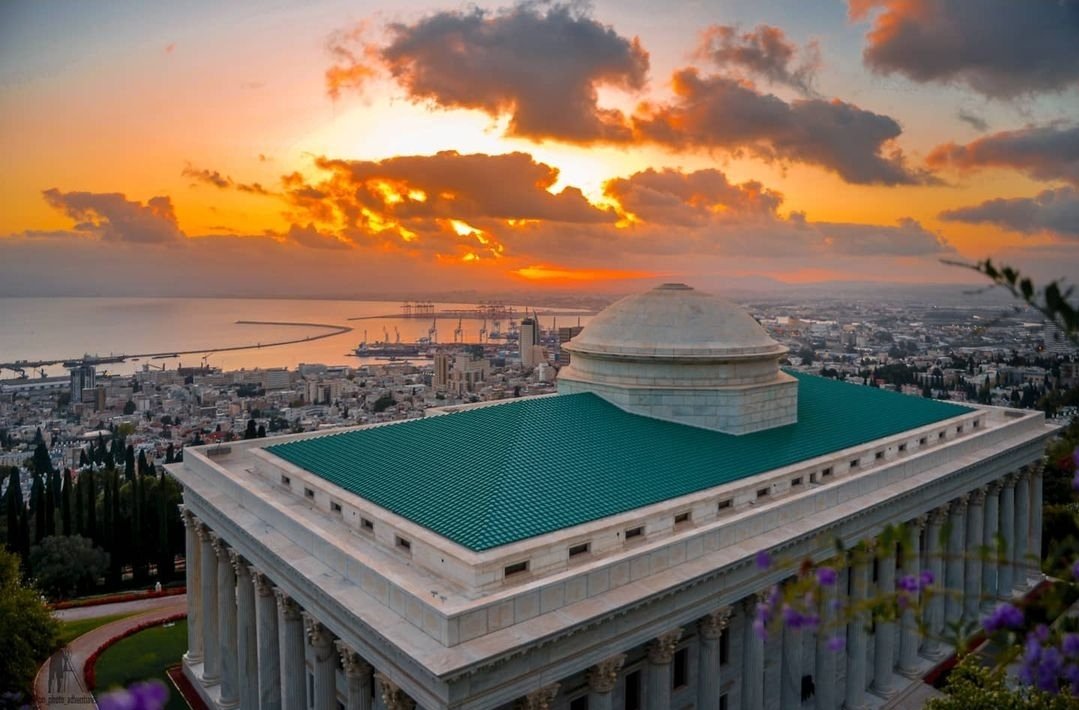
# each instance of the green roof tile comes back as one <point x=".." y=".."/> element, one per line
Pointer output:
<point x="494" y="475"/>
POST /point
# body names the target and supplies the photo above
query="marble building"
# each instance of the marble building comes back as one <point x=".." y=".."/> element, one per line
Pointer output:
<point x="595" y="548"/>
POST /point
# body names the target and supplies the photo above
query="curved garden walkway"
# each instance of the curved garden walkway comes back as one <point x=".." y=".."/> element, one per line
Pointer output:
<point x="59" y="682"/>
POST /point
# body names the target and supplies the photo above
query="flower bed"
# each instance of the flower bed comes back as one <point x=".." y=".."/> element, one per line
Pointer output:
<point x="118" y="597"/>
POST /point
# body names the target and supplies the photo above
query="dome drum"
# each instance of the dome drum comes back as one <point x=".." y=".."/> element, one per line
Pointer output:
<point x="677" y="354"/>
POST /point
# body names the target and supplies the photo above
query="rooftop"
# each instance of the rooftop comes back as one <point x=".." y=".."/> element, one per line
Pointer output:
<point x="495" y="475"/>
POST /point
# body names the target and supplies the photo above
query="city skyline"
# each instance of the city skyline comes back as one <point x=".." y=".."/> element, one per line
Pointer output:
<point x="336" y="148"/>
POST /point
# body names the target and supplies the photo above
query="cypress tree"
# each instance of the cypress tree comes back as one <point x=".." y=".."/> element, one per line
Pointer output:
<point x="144" y="467"/>
<point x="129" y="463"/>
<point x="77" y="507"/>
<point x="65" y="503"/>
<point x="13" y="502"/>
<point x="109" y="457"/>
<point x="99" y="451"/>
<point x="83" y="460"/>
<point x="41" y="460"/>
<point x="87" y="481"/>
<point x="50" y="507"/>
<point x="170" y="454"/>
<point x="119" y="541"/>
<point x="165" y="560"/>
<point x="37" y="507"/>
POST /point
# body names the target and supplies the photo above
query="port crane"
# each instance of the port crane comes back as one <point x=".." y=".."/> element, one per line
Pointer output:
<point x="458" y="332"/>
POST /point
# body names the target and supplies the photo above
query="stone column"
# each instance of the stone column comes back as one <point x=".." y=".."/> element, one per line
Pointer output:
<point x="246" y="634"/>
<point x="1022" y="530"/>
<point x="932" y="646"/>
<point x="194" y="591"/>
<point x="660" y="653"/>
<point x="541" y="699"/>
<point x="269" y="667"/>
<point x="752" y="655"/>
<point x="357" y="677"/>
<point x="1006" y="568"/>
<point x="908" y="633"/>
<point x="826" y="662"/>
<point x="710" y="630"/>
<point x="226" y="614"/>
<point x="1036" y="522"/>
<point x="884" y="633"/>
<point x="790" y="670"/>
<point x="322" y="649"/>
<point x="290" y="643"/>
<point x="856" y="636"/>
<point x="602" y="679"/>
<point x="211" y="645"/>
<point x="972" y="573"/>
<point x="989" y="541"/>
<point x="393" y="698"/>
<point x="954" y="567"/>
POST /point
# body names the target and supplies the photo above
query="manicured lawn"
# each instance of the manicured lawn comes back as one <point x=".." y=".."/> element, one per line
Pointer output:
<point x="144" y="656"/>
<point x="70" y="630"/>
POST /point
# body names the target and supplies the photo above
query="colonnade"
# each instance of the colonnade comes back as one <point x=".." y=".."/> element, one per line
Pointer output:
<point x="249" y="641"/>
<point x="253" y="641"/>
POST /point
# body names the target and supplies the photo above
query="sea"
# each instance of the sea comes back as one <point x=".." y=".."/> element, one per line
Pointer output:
<point x="35" y="329"/>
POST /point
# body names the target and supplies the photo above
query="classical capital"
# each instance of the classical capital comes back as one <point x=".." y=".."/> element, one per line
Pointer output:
<point x="263" y="586"/>
<point x="977" y="496"/>
<point x="220" y="547"/>
<point x="205" y="533"/>
<point x="239" y="564"/>
<point x="317" y="634"/>
<point x="392" y="696"/>
<point x="959" y="505"/>
<point x="538" y="699"/>
<point x="995" y="487"/>
<point x="917" y="524"/>
<point x="603" y="676"/>
<point x="1025" y="472"/>
<point x="191" y="521"/>
<point x="1010" y="480"/>
<point x="662" y="649"/>
<point x="353" y="665"/>
<point x="938" y="516"/>
<point x="286" y="605"/>
<point x="711" y="626"/>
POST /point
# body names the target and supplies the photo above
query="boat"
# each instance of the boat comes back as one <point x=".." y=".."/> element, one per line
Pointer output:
<point x="383" y="349"/>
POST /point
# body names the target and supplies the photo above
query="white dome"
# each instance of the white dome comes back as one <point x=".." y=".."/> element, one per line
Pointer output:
<point x="674" y="320"/>
<point x="681" y="355"/>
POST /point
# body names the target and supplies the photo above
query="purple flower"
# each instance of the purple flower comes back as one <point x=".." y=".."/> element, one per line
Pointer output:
<point x="925" y="578"/>
<point x="907" y="583"/>
<point x="760" y="629"/>
<point x="1070" y="645"/>
<point x="1075" y="569"/>
<point x="835" y="644"/>
<point x="764" y="560"/>
<point x="1005" y="616"/>
<point x="826" y="576"/>
<point x="793" y="618"/>
<point x="150" y="695"/>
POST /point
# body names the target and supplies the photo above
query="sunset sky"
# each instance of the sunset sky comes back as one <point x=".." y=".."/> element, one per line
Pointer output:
<point x="350" y="148"/>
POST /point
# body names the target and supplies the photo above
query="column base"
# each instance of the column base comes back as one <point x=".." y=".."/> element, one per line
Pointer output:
<point x="191" y="660"/>
<point x="209" y="694"/>
<point x="883" y="693"/>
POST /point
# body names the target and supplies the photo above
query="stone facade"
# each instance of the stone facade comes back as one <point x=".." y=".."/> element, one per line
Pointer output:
<point x="603" y="628"/>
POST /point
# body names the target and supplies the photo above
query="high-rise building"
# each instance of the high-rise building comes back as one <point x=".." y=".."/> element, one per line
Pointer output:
<point x="440" y="379"/>
<point x="529" y="338"/>
<point x="597" y="548"/>
<point x="83" y="377"/>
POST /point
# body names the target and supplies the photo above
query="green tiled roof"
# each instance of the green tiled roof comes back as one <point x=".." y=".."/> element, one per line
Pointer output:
<point x="494" y="475"/>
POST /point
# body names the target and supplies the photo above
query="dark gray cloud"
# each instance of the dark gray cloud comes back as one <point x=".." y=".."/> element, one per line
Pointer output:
<point x="1000" y="48"/>
<point x="310" y="237"/>
<point x="973" y="120"/>
<point x="1054" y="212"/>
<point x="765" y="52"/>
<point x="1049" y="152"/>
<point x="113" y="217"/>
<point x="224" y="182"/>
<point x="540" y="64"/>
<point x="719" y="112"/>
